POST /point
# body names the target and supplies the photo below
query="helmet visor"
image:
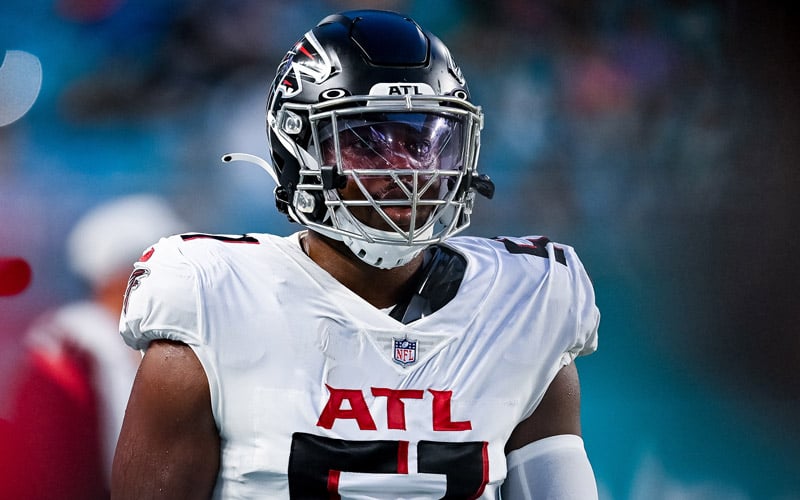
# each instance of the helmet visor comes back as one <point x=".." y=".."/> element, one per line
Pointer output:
<point x="392" y="141"/>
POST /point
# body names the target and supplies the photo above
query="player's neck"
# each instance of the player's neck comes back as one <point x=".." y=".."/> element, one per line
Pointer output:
<point x="380" y="287"/>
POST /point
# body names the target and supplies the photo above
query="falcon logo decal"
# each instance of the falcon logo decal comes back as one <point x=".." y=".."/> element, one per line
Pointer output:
<point x="309" y="61"/>
<point x="133" y="283"/>
<point x="455" y="70"/>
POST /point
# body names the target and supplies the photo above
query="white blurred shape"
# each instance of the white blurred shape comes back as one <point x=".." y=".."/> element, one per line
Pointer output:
<point x="111" y="236"/>
<point x="20" y="82"/>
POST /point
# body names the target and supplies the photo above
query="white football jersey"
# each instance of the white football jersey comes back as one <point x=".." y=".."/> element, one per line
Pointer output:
<point x="317" y="393"/>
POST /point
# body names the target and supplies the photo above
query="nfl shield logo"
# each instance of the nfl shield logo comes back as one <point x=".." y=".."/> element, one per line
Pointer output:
<point x="405" y="351"/>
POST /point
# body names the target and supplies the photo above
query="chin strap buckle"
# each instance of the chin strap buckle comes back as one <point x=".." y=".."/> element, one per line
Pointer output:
<point x="331" y="179"/>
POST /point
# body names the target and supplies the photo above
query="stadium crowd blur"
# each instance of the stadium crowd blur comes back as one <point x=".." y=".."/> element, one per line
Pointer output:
<point x="660" y="138"/>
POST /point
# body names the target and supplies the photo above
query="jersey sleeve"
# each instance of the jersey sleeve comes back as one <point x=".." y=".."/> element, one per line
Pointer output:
<point x="161" y="301"/>
<point x="554" y="306"/>
<point x="558" y="297"/>
<point x="587" y="314"/>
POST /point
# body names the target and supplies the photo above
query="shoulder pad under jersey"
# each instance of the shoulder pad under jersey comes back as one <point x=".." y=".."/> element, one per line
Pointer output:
<point x="161" y="298"/>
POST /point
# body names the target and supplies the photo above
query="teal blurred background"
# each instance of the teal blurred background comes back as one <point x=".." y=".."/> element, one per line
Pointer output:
<point x="660" y="138"/>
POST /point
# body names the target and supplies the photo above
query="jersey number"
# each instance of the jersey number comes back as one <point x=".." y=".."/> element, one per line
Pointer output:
<point x="244" y="238"/>
<point x="537" y="247"/>
<point x="316" y="463"/>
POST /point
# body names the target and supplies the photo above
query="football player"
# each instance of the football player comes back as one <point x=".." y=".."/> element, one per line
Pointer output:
<point x="375" y="354"/>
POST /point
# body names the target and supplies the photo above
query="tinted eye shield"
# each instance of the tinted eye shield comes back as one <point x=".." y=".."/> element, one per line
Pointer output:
<point x="380" y="140"/>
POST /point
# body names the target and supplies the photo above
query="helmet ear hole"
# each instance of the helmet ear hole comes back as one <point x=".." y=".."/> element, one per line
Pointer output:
<point x="277" y="152"/>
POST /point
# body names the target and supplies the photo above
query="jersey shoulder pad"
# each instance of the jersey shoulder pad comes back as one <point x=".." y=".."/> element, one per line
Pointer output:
<point x="569" y="284"/>
<point x="161" y="298"/>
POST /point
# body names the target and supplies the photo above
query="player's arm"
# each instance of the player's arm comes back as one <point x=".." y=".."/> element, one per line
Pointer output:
<point x="546" y="457"/>
<point x="169" y="446"/>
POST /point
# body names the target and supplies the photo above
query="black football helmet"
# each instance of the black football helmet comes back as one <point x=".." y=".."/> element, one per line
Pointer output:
<point x="366" y="97"/>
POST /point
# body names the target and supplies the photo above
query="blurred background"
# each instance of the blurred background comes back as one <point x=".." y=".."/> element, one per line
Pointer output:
<point x="659" y="138"/>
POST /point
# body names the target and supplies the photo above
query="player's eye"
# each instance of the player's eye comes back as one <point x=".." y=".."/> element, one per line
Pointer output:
<point x="421" y="149"/>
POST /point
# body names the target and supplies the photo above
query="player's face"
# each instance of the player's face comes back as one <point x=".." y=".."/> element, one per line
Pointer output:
<point x="394" y="162"/>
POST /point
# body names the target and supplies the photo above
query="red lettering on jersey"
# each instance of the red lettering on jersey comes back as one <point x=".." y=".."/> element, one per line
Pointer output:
<point x="395" y="408"/>
<point x="358" y="410"/>
<point x="442" y="419"/>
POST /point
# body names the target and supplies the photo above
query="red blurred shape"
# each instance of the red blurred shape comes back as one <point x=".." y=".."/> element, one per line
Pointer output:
<point x="15" y="275"/>
<point x="88" y="11"/>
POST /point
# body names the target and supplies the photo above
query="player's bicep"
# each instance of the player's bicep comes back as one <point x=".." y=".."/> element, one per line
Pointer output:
<point x="169" y="445"/>
<point x="558" y="413"/>
<point x="546" y="456"/>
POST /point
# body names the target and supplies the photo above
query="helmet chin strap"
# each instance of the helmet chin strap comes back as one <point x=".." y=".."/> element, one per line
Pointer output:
<point x="380" y="255"/>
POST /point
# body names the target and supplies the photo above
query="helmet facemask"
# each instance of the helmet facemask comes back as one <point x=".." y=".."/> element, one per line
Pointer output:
<point x="388" y="176"/>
